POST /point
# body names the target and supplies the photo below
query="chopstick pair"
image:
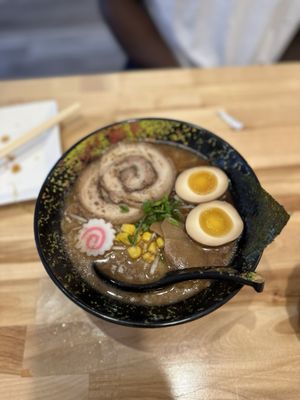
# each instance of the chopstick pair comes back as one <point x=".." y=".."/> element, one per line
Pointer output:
<point x="33" y="133"/>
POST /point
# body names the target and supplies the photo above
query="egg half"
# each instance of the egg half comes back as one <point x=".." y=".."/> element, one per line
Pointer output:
<point x="214" y="223"/>
<point x="201" y="184"/>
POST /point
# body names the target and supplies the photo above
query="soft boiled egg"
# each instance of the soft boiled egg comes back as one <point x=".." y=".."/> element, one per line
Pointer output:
<point x="201" y="184"/>
<point x="214" y="223"/>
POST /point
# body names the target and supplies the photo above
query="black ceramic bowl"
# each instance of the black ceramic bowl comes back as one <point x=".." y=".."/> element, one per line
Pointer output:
<point x="263" y="217"/>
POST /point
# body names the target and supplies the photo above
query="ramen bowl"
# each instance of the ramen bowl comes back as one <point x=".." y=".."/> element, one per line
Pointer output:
<point x="263" y="220"/>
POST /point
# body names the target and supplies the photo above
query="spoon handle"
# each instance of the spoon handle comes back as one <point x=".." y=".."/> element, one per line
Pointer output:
<point x="219" y="273"/>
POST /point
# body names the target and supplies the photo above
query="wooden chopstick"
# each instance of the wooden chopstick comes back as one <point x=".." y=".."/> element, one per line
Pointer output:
<point x="39" y="129"/>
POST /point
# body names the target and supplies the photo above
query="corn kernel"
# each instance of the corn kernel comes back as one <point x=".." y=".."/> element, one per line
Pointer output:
<point x="148" y="257"/>
<point x="128" y="228"/>
<point x="152" y="248"/>
<point x="160" y="242"/>
<point x="134" y="251"/>
<point x="147" y="236"/>
<point x="122" y="237"/>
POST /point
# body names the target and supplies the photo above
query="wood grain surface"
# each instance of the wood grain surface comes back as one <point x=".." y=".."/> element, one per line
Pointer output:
<point x="250" y="348"/>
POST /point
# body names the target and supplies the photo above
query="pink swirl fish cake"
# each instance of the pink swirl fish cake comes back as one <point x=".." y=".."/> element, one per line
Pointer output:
<point x="95" y="237"/>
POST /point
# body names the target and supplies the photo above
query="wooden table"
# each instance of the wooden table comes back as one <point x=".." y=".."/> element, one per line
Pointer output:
<point x="248" y="349"/>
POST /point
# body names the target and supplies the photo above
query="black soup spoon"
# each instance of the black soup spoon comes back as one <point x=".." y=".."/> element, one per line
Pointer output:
<point x="219" y="273"/>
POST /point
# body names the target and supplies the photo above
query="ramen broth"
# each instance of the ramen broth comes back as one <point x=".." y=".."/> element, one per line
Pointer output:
<point x="116" y="260"/>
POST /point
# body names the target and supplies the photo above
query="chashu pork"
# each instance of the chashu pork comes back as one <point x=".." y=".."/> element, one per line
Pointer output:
<point x="129" y="173"/>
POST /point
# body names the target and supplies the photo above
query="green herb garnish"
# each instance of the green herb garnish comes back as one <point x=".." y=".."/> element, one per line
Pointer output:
<point x="124" y="208"/>
<point x="156" y="211"/>
<point x="173" y="221"/>
<point x="132" y="239"/>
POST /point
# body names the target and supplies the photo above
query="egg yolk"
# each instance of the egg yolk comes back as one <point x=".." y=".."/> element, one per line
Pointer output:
<point x="215" y="222"/>
<point x="203" y="182"/>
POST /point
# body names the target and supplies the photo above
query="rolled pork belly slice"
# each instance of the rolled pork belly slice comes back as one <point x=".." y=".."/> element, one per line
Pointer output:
<point x="129" y="173"/>
<point x="135" y="172"/>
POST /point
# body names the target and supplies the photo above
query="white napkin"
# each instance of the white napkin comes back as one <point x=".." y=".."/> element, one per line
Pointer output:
<point x="21" y="178"/>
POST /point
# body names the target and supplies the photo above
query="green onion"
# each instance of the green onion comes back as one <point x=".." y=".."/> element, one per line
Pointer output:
<point x="124" y="208"/>
<point x="132" y="239"/>
<point x="173" y="221"/>
<point x="156" y="211"/>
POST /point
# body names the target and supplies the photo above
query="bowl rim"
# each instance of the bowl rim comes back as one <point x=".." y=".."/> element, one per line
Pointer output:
<point x="80" y="303"/>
